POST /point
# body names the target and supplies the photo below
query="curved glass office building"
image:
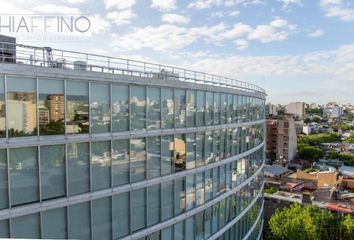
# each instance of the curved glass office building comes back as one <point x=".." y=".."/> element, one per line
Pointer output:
<point x="93" y="147"/>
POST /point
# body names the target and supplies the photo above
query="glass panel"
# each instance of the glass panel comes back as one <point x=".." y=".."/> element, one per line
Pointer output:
<point x="191" y="107"/>
<point x="121" y="215"/>
<point x="190" y="228"/>
<point x="120" y="108"/>
<point x="191" y="150"/>
<point x="167" y="154"/>
<point x="138" y="209"/>
<point x="190" y="192"/>
<point x="167" y="108"/>
<point x="4" y="200"/>
<point x="77" y="107"/>
<point x="166" y="200"/>
<point x="209" y="108"/>
<point x="199" y="225"/>
<point x="178" y="231"/>
<point x="180" y="152"/>
<point x="217" y="145"/>
<point x="222" y="175"/>
<point x="154" y="205"/>
<point x="153" y="236"/>
<point x="4" y="229"/>
<point x="223" y="108"/>
<point x="154" y="157"/>
<point x="229" y="110"/>
<point x="54" y="224"/>
<point x="2" y="108"/>
<point x="216" y="181"/>
<point x="215" y="218"/>
<point x="79" y="221"/>
<point x="207" y="222"/>
<point x="167" y="233"/>
<point x="180" y="196"/>
<point x="137" y="159"/>
<point x="25" y="227"/>
<point x="100" y="108"/>
<point x="24" y="175"/>
<point x="21" y="103"/>
<point x="78" y="156"/>
<point x="234" y="109"/>
<point x="216" y="108"/>
<point x="200" y="189"/>
<point x="153" y="108"/>
<point x="208" y="185"/>
<point x="53" y="171"/>
<point x="101" y="218"/>
<point x="209" y="151"/>
<point x="101" y="165"/>
<point x="120" y="161"/>
<point x="200" y="149"/>
<point x="51" y="107"/>
<point x="180" y="108"/>
<point x="138" y="107"/>
<point x="200" y="121"/>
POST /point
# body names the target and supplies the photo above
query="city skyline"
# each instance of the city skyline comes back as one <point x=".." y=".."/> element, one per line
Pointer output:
<point x="291" y="48"/>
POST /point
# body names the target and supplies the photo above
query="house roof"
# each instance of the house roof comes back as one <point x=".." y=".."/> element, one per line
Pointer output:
<point x="347" y="170"/>
<point x="275" y="170"/>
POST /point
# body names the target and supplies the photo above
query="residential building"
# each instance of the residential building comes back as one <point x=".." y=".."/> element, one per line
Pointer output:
<point x="271" y="110"/>
<point x="296" y="108"/>
<point x="336" y="112"/>
<point x="281" y="140"/>
<point x="111" y="151"/>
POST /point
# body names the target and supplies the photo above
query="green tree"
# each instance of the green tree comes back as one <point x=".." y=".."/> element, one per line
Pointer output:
<point x="308" y="152"/>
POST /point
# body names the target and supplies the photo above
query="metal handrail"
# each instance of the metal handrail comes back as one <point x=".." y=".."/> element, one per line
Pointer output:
<point x="56" y="58"/>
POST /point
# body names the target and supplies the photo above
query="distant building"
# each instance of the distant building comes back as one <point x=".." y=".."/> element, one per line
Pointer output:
<point x="337" y="112"/>
<point x="271" y="109"/>
<point x="281" y="139"/>
<point x="296" y="108"/>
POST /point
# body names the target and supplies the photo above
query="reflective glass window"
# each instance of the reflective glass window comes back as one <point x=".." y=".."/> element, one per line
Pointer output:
<point x="229" y="111"/>
<point x="207" y="222"/>
<point x="191" y="150"/>
<point x="190" y="192"/>
<point x="208" y="185"/>
<point x="153" y="108"/>
<point x="179" y="231"/>
<point x="79" y="226"/>
<point x="54" y="224"/>
<point x="51" y="106"/>
<point x="4" y="201"/>
<point x="200" y="139"/>
<point x="101" y="165"/>
<point x="167" y="233"/>
<point x="101" y="218"/>
<point x="180" y="152"/>
<point x="2" y="108"/>
<point x="121" y="215"/>
<point x="138" y="209"/>
<point x="191" y="107"/>
<point x="190" y="228"/>
<point x="166" y="200"/>
<point x="223" y="108"/>
<point x="26" y="226"/>
<point x="200" y="119"/>
<point x="137" y="159"/>
<point x="217" y="108"/>
<point x="4" y="229"/>
<point x="53" y="176"/>
<point x="167" y="154"/>
<point x="180" y="108"/>
<point x="216" y="145"/>
<point x="100" y="107"/>
<point x="77" y="107"/>
<point x="209" y="108"/>
<point x="215" y="218"/>
<point x="209" y="151"/>
<point x="200" y="198"/>
<point x="21" y="104"/>
<point x="120" y="161"/>
<point x="167" y="101"/>
<point x="78" y="157"/>
<point x="154" y="205"/>
<point x="199" y="226"/>
<point x="180" y="196"/>
<point x="153" y="157"/>
<point x="137" y="107"/>
<point x="24" y="175"/>
<point x="120" y="108"/>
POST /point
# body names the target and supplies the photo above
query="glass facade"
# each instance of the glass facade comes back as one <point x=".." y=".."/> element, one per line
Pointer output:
<point x="106" y="160"/>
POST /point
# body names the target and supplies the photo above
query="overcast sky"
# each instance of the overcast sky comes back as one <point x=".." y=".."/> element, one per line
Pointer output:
<point x="298" y="50"/>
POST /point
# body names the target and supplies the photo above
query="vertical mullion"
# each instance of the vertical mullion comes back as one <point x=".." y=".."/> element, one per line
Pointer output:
<point x="37" y="107"/>
<point x="6" y="109"/>
<point x="39" y="173"/>
<point x="66" y="170"/>
<point x="65" y="108"/>
<point x="89" y="106"/>
<point x="8" y="177"/>
<point x="110" y="107"/>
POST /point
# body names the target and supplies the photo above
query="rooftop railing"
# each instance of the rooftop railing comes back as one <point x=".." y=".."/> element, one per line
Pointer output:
<point x="55" y="58"/>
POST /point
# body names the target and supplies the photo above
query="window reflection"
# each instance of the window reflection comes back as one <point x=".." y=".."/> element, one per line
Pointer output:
<point x="200" y="121"/>
<point x="138" y="107"/>
<point x="2" y="108"/>
<point x="120" y="108"/>
<point x="191" y="150"/>
<point x="3" y="179"/>
<point x="51" y="107"/>
<point x="180" y="108"/>
<point x="167" y="154"/>
<point x="209" y="108"/>
<point x="180" y="196"/>
<point x="120" y="161"/>
<point x="167" y="108"/>
<point x="100" y="111"/>
<point x="101" y="165"/>
<point x="154" y="108"/>
<point x="191" y="108"/>
<point x="154" y="156"/>
<point x="137" y="159"/>
<point x="77" y="107"/>
<point x="21" y="102"/>
<point x="180" y="152"/>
